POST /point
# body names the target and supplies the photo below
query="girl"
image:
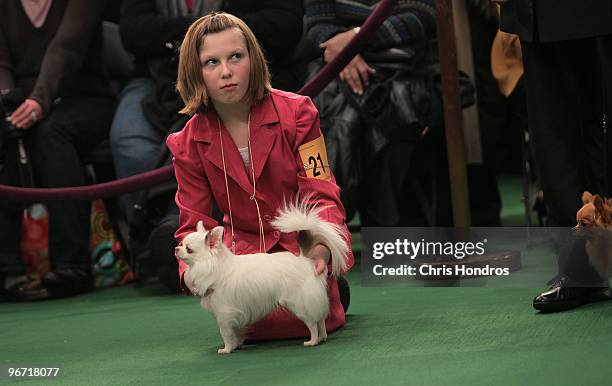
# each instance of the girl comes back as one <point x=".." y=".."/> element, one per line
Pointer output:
<point x="249" y="148"/>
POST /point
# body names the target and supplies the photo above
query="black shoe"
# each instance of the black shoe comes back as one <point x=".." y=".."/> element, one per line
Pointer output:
<point x="23" y="288"/>
<point x="561" y="296"/>
<point x="161" y="245"/>
<point x="68" y="281"/>
<point x="345" y="292"/>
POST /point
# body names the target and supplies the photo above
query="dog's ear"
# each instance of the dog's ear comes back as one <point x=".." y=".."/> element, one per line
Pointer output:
<point x="599" y="204"/>
<point x="200" y="227"/>
<point x="587" y="197"/>
<point x="214" y="238"/>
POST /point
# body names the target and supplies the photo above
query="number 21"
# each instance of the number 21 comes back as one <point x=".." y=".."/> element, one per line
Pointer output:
<point x="313" y="161"/>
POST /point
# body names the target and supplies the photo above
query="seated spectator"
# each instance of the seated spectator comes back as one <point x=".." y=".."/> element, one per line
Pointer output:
<point x="51" y="50"/>
<point x="149" y="104"/>
<point x="369" y="153"/>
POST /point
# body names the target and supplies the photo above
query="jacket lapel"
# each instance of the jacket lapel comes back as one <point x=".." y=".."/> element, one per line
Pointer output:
<point x="209" y="133"/>
<point x="263" y="117"/>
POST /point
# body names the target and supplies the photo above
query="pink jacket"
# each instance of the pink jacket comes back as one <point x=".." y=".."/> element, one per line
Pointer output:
<point x="280" y="123"/>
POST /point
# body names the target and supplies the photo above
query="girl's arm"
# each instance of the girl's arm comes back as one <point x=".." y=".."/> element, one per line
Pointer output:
<point x="317" y="185"/>
<point x="193" y="196"/>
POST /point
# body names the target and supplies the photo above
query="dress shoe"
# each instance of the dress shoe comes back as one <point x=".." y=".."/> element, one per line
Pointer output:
<point x="561" y="296"/>
<point x="23" y="288"/>
<point x="68" y="281"/>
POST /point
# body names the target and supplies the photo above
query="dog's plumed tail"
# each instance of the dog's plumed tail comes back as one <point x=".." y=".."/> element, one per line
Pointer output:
<point x="304" y="218"/>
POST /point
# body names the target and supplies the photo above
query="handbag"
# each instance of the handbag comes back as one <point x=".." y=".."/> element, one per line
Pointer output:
<point x="403" y="99"/>
<point x="358" y="127"/>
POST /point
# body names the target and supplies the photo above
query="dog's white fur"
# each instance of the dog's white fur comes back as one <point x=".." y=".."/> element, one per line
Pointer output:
<point x="242" y="289"/>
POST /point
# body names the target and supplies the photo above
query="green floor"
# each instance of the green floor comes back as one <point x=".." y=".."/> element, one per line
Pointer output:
<point x="430" y="336"/>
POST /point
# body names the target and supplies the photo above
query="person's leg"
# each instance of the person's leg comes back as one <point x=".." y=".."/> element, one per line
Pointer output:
<point x="586" y="66"/>
<point x="554" y="123"/>
<point x="604" y="47"/>
<point x="558" y="95"/>
<point x="10" y="223"/>
<point x="15" y="284"/>
<point x="73" y="127"/>
<point x="135" y="142"/>
<point x="10" y="214"/>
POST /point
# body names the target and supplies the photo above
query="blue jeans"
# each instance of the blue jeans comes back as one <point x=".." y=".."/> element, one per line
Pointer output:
<point x="72" y="128"/>
<point x="135" y="142"/>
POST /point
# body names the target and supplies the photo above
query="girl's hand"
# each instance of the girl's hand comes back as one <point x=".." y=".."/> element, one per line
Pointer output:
<point x="320" y="254"/>
<point x="334" y="45"/>
<point x="27" y="114"/>
<point x="357" y="74"/>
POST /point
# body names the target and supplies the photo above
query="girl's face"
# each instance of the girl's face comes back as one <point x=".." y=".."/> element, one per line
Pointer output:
<point x="226" y="66"/>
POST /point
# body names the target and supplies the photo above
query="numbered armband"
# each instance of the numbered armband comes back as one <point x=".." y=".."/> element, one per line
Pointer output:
<point x="314" y="159"/>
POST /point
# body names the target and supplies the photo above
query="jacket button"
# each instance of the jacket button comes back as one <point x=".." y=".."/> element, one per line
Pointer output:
<point x="276" y="234"/>
<point x="267" y="217"/>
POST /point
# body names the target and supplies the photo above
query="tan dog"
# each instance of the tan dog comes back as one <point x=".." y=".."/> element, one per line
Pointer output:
<point x="594" y="221"/>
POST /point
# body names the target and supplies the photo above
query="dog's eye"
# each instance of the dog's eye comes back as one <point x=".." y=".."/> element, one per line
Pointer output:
<point x="188" y="250"/>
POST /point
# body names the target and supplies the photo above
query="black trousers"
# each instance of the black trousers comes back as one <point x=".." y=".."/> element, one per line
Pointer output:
<point x="569" y="88"/>
<point x="72" y="128"/>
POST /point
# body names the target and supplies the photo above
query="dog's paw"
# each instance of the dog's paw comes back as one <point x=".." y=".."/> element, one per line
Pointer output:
<point x="311" y="343"/>
<point x="223" y="351"/>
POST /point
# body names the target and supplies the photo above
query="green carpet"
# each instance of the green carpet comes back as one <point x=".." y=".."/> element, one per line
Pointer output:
<point x="422" y="336"/>
<point x="440" y="336"/>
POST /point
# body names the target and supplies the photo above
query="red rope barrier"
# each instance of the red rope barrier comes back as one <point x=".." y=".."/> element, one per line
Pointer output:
<point x="163" y="174"/>
<point x="89" y="192"/>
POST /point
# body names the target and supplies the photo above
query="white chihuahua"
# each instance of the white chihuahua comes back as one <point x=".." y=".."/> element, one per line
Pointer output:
<point x="239" y="290"/>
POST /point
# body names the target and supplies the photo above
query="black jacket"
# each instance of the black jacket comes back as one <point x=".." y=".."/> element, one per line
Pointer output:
<point x="556" y="20"/>
<point x="276" y="23"/>
<point x="61" y="58"/>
